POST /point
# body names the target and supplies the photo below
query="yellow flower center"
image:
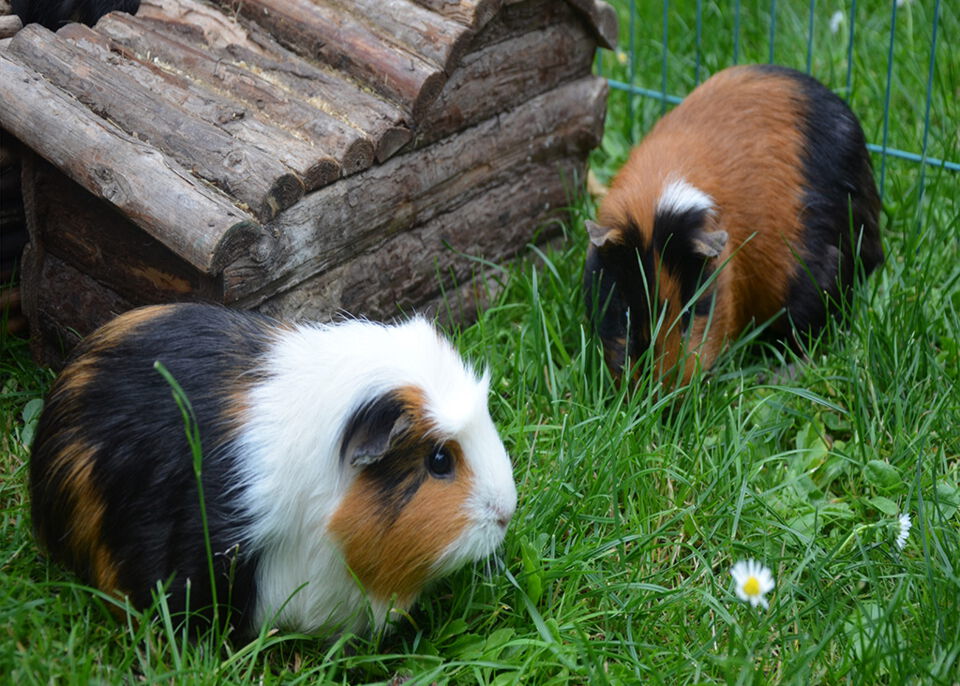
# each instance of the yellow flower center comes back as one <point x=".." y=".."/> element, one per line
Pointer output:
<point x="751" y="586"/>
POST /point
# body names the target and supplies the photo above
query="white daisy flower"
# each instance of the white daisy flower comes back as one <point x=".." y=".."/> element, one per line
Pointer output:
<point x="904" y="531"/>
<point x="753" y="582"/>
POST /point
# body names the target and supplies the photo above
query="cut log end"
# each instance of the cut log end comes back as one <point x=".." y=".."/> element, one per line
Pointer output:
<point x="458" y="49"/>
<point x="324" y="172"/>
<point x="245" y="239"/>
<point x="284" y="192"/>
<point x="358" y="156"/>
<point x="392" y="140"/>
<point x="429" y="91"/>
<point x="604" y="20"/>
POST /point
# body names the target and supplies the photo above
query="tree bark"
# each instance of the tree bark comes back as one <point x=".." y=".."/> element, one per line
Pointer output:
<point x="404" y="271"/>
<point x="252" y="48"/>
<point x="472" y="13"/>
<point x="500" y="75"/>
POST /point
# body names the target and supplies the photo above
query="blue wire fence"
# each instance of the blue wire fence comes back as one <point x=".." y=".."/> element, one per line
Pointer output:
<point x="643" y="34"/>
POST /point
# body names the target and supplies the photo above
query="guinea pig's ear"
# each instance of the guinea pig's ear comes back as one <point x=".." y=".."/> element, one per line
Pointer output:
<point x="684" y="223"/>
<point x="708" y="244"/>
<point x="599" y="235"/>
<point x="372" y="429"/>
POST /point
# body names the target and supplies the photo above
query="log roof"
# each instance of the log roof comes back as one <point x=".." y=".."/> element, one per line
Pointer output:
<point x="203" y="121"/>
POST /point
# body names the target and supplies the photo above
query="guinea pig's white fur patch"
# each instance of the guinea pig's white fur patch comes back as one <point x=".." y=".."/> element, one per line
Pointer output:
<point x="679" y="196"/>
<point x="316" y="376"/>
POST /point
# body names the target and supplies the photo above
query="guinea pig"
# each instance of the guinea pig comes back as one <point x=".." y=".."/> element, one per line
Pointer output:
<point x="749" y="203"/>
<point x="342" y="464"/>
<point x="55" y="13"/>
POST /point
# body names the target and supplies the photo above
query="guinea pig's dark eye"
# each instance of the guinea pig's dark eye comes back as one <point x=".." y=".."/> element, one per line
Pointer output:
<point x="440" y="462"/>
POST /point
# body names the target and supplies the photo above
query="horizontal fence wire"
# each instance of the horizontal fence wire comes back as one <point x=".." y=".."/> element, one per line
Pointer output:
<point x="883" y="149"/>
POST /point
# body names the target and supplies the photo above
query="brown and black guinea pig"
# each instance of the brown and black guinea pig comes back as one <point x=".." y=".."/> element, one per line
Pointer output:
<point x="751" y="201"/>
<point x="344" y="466"/>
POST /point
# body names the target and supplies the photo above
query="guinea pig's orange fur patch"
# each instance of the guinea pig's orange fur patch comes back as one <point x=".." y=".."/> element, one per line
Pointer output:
<point x="394" y="556"/>
<point x="75" y="378"/>
<point x="119" y="328"/>
<point x="85" y="534"/>
<point x="414" y="400"/>
<point x="747" y="158"/>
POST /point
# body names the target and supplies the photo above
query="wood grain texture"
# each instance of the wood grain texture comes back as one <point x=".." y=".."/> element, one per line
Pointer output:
<point x="163" y="199"/>
<point x="511" y="64"/>
<point x="419" y="31"/>
<point x="89" y="234"/>
<point x="70" y="305"/>
<point x="603" y="19"/>
<point x="328" y="34"/>
<point x="249" y="46"/>
<point x="233" y="117"/>
<point x="333" y="224"/>
<point x="404" y="271"/>
<point x="471" y="13"/>
<point x="253" y="176"/>
<point x="9" y="25"/>
<point x="179" y="50"/>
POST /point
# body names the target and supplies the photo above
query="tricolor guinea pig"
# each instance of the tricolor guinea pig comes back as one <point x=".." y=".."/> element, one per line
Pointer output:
<point x="341" y="464"/>
<point x="55" y="13"/>
<point x="750" y="202"/>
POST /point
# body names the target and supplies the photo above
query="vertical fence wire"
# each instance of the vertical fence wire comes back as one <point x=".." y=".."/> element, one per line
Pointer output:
<point x="632" y="68"/>
<point x="699" y="38"/>
<point x="853" y="23"/>
<point x="736" y="32"/>
<point x="813" y="7"/>
<point x="663" y="59"/>
<point x="926" y="106"/>
<point x="886" y="98"/>
<point x="773" y="28"/>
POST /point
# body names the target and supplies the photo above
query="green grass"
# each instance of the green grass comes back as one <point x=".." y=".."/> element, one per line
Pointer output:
<point x="634" y="507"/>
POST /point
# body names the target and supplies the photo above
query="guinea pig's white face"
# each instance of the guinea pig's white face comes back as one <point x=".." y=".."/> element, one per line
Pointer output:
<point x="431" y="485"/>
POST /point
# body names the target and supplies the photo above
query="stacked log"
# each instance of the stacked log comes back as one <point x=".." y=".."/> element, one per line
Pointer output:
<point x="300" y="157"/>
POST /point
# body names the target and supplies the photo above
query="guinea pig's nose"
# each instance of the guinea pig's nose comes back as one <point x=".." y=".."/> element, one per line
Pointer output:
<point x="502" y="514"/>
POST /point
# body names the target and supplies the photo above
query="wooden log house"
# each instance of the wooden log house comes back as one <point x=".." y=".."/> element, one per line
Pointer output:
<point x="297" y="157"/>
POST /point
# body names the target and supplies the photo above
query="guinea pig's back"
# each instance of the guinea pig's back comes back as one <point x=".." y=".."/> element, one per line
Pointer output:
<point x="113" y="488"/>
<point x="780" y="155"/>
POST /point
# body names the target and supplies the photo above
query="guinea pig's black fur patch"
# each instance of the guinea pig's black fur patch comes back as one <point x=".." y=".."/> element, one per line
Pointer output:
<point x="143" y="469"/>
<point x="391" y="456"/>
<point x="673" y="236"/>
<point x="611" y="291"/>
<point x="55" y="13"/>
<point x="617" y="304"/>
<point x="839" y="192"/>
<point x="370" y="429"/>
